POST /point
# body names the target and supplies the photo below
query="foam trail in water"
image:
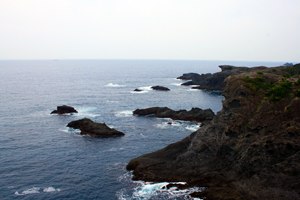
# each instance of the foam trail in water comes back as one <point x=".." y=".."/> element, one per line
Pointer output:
<point x="33" y="190"/>
<point x="168" y="124"/>
<point x="114" y="85"/>
<point x="51" y="189"/>
<point x="193" y="128"/>
<point x="36" y="190"/>
<point x="124" y="113"/>
<point x="176" y="84"/>
<point x="87" y="112"/>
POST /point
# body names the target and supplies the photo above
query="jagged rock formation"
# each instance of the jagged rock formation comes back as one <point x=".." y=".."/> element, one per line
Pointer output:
<point x="214" y="81"/>
<point x="88" y="127"/>
<point x="64" y="110"/>
<point x="160" y="88"/>
<point x="250" y="150"/>
<point x="195" y="114"/>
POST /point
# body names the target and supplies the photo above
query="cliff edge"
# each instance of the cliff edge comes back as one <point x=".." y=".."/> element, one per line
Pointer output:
<point x="250" y="150"/>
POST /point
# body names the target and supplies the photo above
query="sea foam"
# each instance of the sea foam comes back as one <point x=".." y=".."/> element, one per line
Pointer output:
<point x="114" y="85"/>
<point x="124" y="113"/>
<point x="36" y="190"/>
<point x="145" y="89"/>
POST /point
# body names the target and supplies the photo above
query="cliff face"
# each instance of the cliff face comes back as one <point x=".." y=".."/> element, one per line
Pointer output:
<point x="250" y="150"/>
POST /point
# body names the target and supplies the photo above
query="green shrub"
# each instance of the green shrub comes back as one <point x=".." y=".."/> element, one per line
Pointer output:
<point x="258" y="83"/>
<point x="280" y="90"/>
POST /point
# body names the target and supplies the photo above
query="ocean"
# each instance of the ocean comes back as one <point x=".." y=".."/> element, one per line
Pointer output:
<point x="42" y="159"/>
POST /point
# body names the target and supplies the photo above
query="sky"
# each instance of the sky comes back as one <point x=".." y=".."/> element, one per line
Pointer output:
<point x="248" y="30"/>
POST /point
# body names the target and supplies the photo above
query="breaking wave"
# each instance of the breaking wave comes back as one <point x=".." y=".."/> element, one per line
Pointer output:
<point x="114" y="85"/>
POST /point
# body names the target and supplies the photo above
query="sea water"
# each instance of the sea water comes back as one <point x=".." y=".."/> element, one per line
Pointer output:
<point x="40" y="158"/>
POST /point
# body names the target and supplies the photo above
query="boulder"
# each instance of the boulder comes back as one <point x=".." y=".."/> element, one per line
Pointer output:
<point x="195" y="114"/>
<point x="88" y="127"/>
<point x="64" y="109"/>
<point x="160" y="88"/>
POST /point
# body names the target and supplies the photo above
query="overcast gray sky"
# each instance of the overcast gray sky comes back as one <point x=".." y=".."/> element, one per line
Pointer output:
<point x="261" y="30"/>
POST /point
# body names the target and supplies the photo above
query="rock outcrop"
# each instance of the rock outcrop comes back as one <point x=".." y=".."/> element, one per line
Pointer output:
<point x="195" y="114"/>
<point x="64" y="109"/>
<point x="160" y="88"/>
<point x="214" y="81"/>
<point x="137" y="90"/>
<point x="88" y="127"/>
<point x="250" y="150"/>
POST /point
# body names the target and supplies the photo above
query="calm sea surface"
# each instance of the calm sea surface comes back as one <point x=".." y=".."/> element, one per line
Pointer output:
<point x="42" y="159"/>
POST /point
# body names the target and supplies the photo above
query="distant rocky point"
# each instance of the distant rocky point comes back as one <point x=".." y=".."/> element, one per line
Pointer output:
<point x="195" y="114"/>
<point x="216" y="80"/>
<point x="64" y="109"/>
<point x="88" y="127"/>
<point x="160" y="88"/>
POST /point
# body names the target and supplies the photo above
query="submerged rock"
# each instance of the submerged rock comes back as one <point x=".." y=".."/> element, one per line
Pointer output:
<point x="160" y="88"/>
<point x="88" y="127"/>
<point x="251" y="148"/>
<point x="195" y="114"/>
<point x="64" y="109"/>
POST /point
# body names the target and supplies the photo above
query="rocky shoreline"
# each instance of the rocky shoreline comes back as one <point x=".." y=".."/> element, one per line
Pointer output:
<point x="249" y="150"/>
<point x="195" y="114"/>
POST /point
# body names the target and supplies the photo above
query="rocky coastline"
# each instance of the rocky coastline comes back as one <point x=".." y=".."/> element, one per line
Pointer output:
<point x="249" y="150"/>
<point x="195" y="114"/>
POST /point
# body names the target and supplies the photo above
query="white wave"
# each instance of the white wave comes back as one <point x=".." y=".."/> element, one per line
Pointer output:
<point x="193" y="127"/>
<point x="114" y="85"/>
<point x="147" y="191"/>
<point x="193" y="90"/>
<point x="124" y="113"/>
<point x="69" y="130"/>
<point x="140" y="92"/>
<point x="87" y="112"/>
<point x="114" y="149"/>
<point x="168" y="124"/>
<point x="36" y="190"/>
<point x="144" y="89"/>
<point x="33" y="190"/>
<point x="176" y="84"/>
<point x="51" y="189"/>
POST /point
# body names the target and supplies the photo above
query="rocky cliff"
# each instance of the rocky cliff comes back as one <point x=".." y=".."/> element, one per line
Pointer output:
<point x="250" y="150"/>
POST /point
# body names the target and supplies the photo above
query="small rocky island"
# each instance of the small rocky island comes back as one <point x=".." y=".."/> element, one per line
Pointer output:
<point x="160" y="88"/>
<point x="88" y="127"/>
<point x="64" y="109"/>
<point x="195" y="114"/>
<point x="249" y="150"/>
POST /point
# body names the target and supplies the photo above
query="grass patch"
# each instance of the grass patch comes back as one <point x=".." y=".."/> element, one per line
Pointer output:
<point x="280" y="90"/>
<point x="273" y="91"/>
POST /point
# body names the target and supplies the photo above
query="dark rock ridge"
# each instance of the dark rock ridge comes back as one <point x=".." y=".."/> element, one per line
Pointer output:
<point x="137" y="90"/>
<point x="214" y="81"/>
<point x="64" y="109"/>
<point x="160" y="88"/>
<point x="251" y="148"/>
<point x="88" y="127"/>
<point x="195" y="114"/>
